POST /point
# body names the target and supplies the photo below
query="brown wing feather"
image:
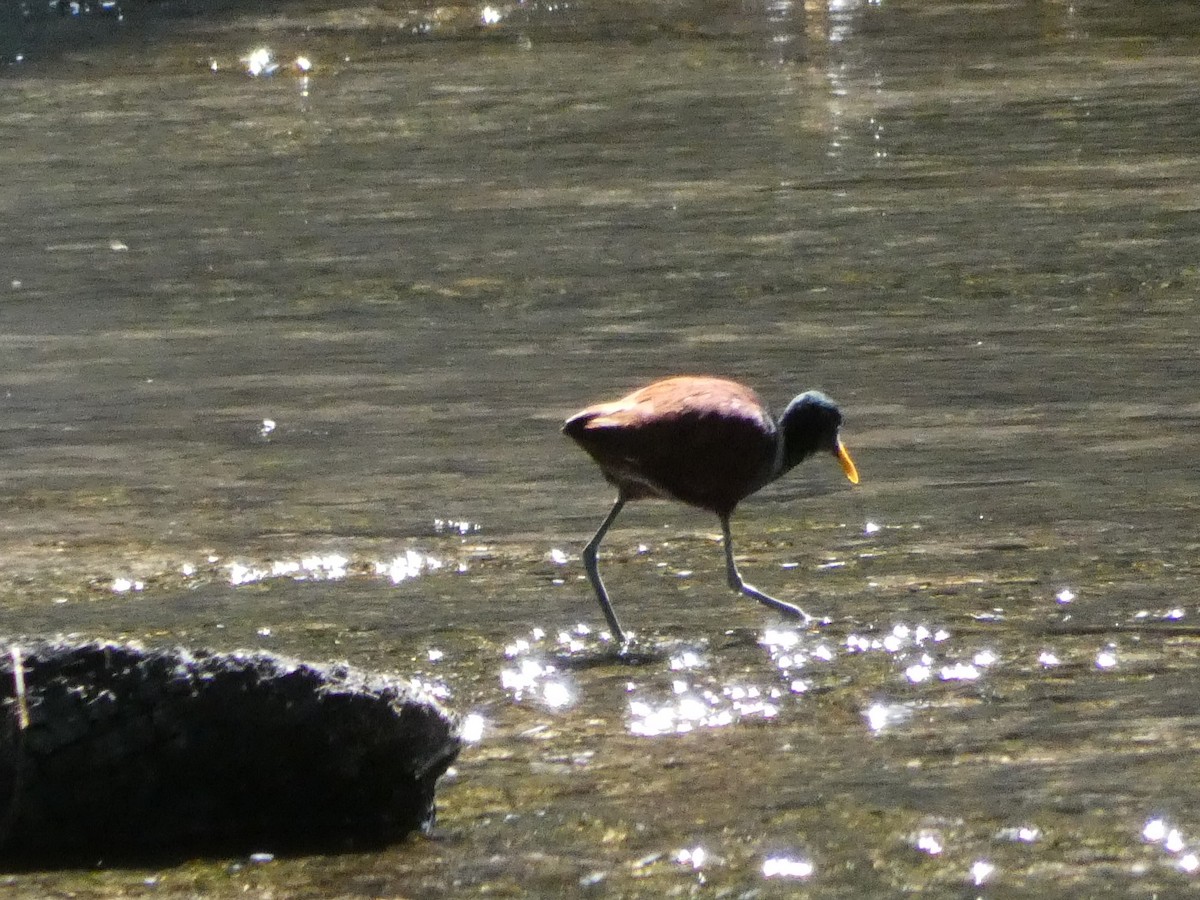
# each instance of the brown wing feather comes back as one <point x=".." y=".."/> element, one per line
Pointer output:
<point x="705" y="441"/>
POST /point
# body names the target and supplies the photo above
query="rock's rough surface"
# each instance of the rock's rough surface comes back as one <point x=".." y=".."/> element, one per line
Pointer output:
<point x="126" y="749"/>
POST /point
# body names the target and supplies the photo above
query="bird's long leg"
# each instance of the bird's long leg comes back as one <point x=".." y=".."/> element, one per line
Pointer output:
<point x="593" y="571"/>
<point x="735" y="581"/>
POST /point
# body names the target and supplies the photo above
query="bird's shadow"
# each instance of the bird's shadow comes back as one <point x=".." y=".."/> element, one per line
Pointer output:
<point x="634" y="652"/>
<point x="659" y="649"/>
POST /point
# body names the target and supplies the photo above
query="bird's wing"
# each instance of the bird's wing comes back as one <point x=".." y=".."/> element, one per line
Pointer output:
<point x="706" y="460"/>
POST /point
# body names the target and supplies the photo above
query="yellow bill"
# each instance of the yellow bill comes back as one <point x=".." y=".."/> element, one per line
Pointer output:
<point x="848" y="466"/>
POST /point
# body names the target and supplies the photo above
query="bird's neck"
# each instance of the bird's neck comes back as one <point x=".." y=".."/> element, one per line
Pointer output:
<point x="793" y="446"/>
<point x="780" y="464"/>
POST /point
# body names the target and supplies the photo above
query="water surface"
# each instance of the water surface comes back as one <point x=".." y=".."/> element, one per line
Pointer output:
<point x="283" y="361"/>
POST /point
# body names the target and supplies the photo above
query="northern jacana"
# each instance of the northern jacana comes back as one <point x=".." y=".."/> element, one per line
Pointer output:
<point x="707" y="442"/>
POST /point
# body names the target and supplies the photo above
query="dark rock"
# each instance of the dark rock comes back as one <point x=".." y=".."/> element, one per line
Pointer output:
<point x="128" y="750"/>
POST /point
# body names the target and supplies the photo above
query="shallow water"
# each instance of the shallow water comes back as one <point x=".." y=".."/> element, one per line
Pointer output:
<point x="284" y="359"/>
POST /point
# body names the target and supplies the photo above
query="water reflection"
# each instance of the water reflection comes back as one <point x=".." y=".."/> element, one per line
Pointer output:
<point x="411" y="564"/>
<point x="1107" y="658"/>
<point x="534" y="678"/>
<point x="929" y="840"/>
<point x="787" y="867"/>
<point x="694" y="706"/>
<point x="260" y="62"/>
<point x="329" y="567"/>
<point x="981" y="871"/>
<point x="1025" y="834"/>
<point x="473" y="728"/>
<point x="1158" y="831"/>
<point x="694" y="857"/>
<point x="883" y="716"/>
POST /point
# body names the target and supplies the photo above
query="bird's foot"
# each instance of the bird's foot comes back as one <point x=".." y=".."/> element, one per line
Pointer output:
<point x="788" y="609"/>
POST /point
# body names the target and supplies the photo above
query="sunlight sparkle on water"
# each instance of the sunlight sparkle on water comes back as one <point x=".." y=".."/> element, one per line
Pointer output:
<point x="929" y="841"/>
<point x="472" y="728"/>
<point x="918" y="672"/>
<point x="438" y="689"/>
<point x="570" y="642"/>
<point x="694" y="857"/>
<point x="260" y="62"/>
<point x="901" y="637"/>
<point x="490" y="15"/>
<point x="784" y="647"/>
<point x="328" y="567"/>
<point x="125" y="585"/>
<point x="881" y="716"/>
<point x="1066" y="595"/>
<point x="691" y="707"/>
<point x="780" y="638"/>
<point x="555" y="694"/>
<point x="981" y="871"/>
<point x="688" y="659"/>
<point x="516" y="648"/>
<point x="331" y="566"/>
<point x="410" y="564"/>
<point x="462" y="526"/>
<point x="871" y="528"/>
<point x="1158" y="831"/>
<point x="1048" y="658"/>
<point x="959" y="672"/>
<point x="1106" y="658"/>
<point x="786" y="867"/>
<point x="539" y="681"/>
<point x="1025" y="834"/>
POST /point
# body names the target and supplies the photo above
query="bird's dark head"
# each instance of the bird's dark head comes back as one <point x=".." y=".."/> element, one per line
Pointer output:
<point x="810" y="425"/>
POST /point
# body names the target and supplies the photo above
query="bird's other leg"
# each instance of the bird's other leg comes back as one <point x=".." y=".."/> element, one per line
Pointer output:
<point x="735" y="581"/>
<point x="591" y="565"/>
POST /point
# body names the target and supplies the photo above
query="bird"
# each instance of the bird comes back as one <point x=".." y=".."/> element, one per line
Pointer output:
<point x="704" y="441"/>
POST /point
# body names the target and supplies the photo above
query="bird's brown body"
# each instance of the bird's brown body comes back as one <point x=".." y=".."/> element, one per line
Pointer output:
<point x="707" y="442"/>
